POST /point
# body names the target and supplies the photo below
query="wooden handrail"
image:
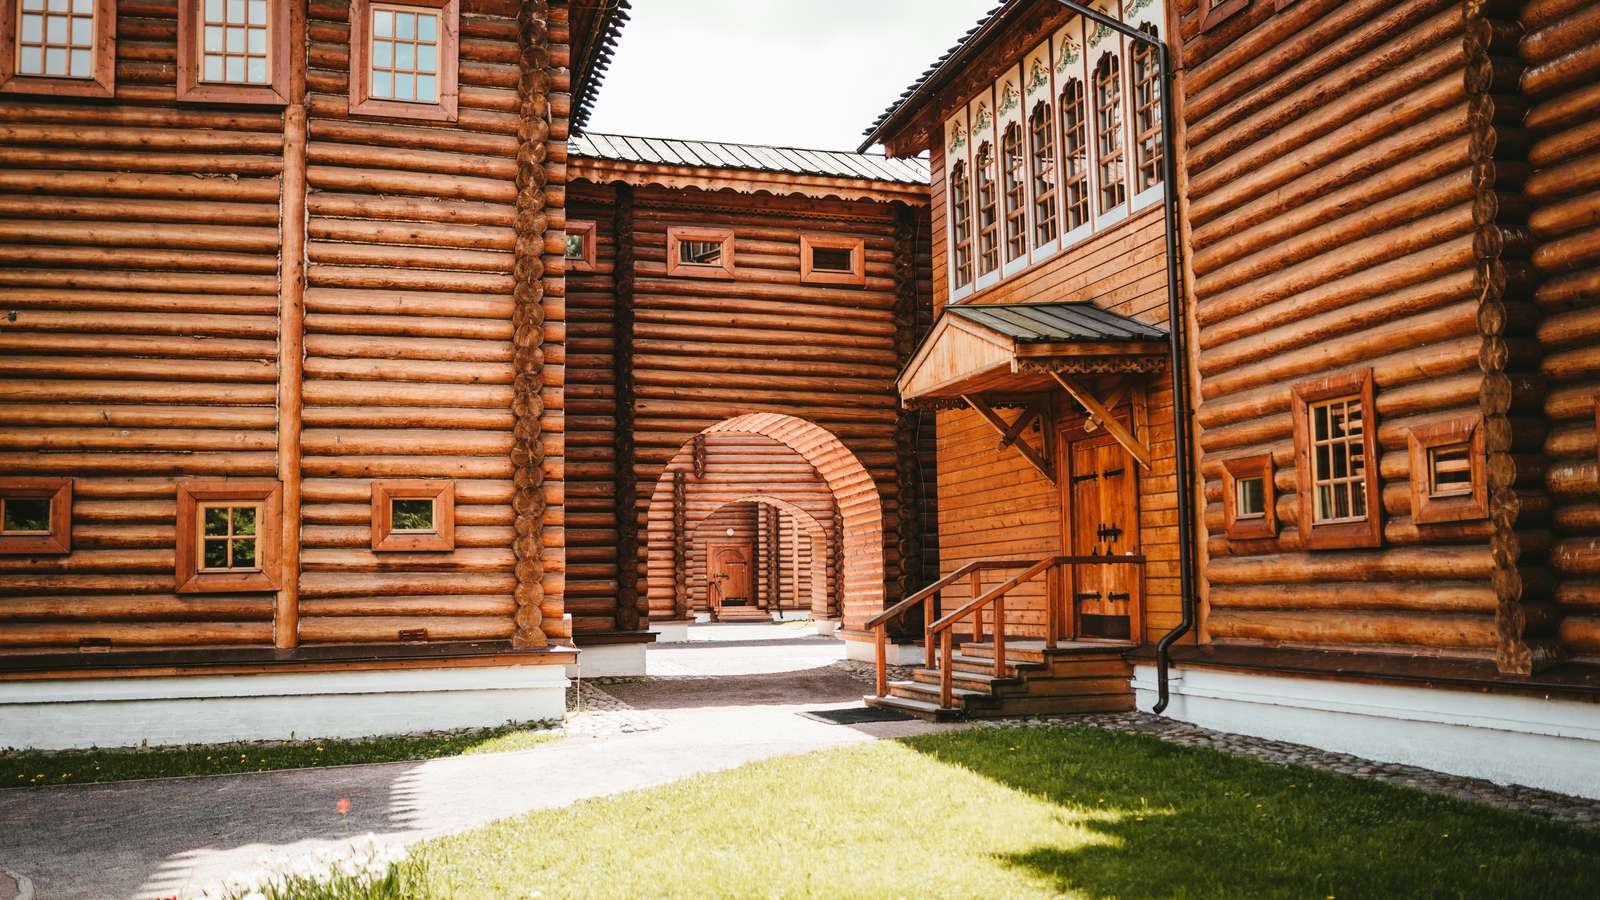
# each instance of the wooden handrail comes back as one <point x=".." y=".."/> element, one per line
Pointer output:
<point x="880" y="622"/>
<point x="979" y="602"/>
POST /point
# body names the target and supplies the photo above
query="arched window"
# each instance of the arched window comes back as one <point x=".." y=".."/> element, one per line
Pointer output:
<point x="988" y="212"/>
<point x="961" y="223"/>
<point x="1041" y="129"/>
<point x="1074" y="157"/>
<point x="1146" y="115"/>
<point x="1012" y="178"/>
<point x="1108" y="133"/>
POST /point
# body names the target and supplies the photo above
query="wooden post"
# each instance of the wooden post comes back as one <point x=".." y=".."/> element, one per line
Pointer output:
<point x="881" y="639"/>
<point x="977" y="614"/>
<point x="946" y="680"/>
<point x="1052" y="609"/>
<point x="930" y="612"/>
<point x="1000" y="637"/>
<point x="680" y="554"/>
<point x="291" y="335"/>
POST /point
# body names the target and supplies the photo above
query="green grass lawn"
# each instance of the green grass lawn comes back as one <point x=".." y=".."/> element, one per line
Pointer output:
<point x="33" y="768"/>
<point x="1015" y="812"/>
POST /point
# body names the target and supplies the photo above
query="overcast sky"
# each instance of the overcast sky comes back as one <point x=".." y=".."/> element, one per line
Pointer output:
<point x="796" y="73"/>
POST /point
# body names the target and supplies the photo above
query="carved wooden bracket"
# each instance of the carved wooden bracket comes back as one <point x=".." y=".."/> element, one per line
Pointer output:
<point x="1100" y="414"/>
<point x="1010" y="432"/>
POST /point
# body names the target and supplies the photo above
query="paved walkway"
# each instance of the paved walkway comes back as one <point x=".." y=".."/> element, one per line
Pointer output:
<point x="722" y="703"/>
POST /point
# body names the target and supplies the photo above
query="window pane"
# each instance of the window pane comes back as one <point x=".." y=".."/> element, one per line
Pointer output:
<point x="258" y="40"/>
<point x="405" y="86"/>
<point x="1450" y="470"/>
<point x="213" y="68"/>
<point x="216" y="554"/>
<point x="256" y="71"/>
<point x="244" y="520"/>
<point x="55" y="61"/>
<point x="258" y="12"/>
<point x="382" y="53"/>
<point x="55" y="29"/>
<point x="832" y="259"/>
<point x="427" y="58"/>
<point x="1251" y="499"/>
<point x="383" y="23"/>
<point x="427" y="27"/>
<point x="33" y="29"/>
<point x="216" y="521"/>
<point x="405" y="25"/>
<point x="574" y="246"/>
<point x="235" y="68"/>
<point x="25" y="514"/>
<point x="214" y="11"/>
<point x="213" y="38"/>
<point x="405" y="56"/>
<point x="30" y="61"/>
<point x="411" y="514"/>
<point x="1358" y="499"/>
<point x="244" y="554"/>
<point x="33" y="4"/>
<point x="382" y="84"/>
<point x="82" y="32"/>
<point x="81" y="64"/>
<point x="427" y="88"/>
<point x="59" y="5"/>
<point x="236" y="11"/>
<point x="700" y="253"/>
<point x="235" y="40"/>
<point x="83" y="7"/>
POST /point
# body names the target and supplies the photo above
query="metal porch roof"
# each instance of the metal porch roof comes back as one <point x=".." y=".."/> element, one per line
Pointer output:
<point x="750" y="157"/>
<point x="1057" y="323"/>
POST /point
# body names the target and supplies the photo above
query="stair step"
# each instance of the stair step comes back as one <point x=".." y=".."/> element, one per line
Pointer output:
<point x="922" y="709"/>
<point x="972" y="681"/>
<point x="985" y="665"/>
<point x="913" y="690"/>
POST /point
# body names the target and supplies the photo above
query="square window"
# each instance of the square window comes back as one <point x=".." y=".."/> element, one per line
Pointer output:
<point x="58" y="47"/>
<point x="413" y="515"/>
<point x="403" y="59"/>
<point x="700" y="252"/>
<point x="233" y="51"/>
<point x="829" y="259"/>
<point x="1447" y="471"/>
<point x="1336" y="451"/>
<point x="1249" y="498"/>
<point x="580" y="249"/>
<point x="228" y="534"/>
<point x="35" y="516"/>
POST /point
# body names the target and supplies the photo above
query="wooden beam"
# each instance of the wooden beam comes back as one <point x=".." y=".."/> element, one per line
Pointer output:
<point x="1015" y="431"/>
<point x="1119" y="388"/>
<point x="1097" y="410"/>
<point x="1001" y="426"/>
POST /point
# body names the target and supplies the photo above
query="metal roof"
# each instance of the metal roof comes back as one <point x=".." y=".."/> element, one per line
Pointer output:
<point x="968" y="41"/>
<point x="1057" y="323"/>
<point x="750" y="157"/>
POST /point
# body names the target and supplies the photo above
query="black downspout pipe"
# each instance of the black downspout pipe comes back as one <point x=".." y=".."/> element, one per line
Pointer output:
<point x="1177" y="327"/>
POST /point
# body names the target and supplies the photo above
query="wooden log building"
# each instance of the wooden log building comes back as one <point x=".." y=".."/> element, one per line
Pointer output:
<point x="282" y="364"/>
<point x="1384" y="213"/>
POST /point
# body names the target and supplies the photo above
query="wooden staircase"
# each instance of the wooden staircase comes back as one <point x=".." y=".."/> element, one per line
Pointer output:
<point x="1003" y="676"/>
<point x="1072" y="678"/>
<point x="740" y="612"/>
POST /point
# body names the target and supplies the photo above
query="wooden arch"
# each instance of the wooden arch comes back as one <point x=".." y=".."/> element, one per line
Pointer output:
<point x="855" y="496"/>
<point x="808" y="523"/>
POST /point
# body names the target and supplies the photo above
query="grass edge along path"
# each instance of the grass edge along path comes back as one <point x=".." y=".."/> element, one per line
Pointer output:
<point x="39" y="768"/>
<point x="1015" y="812"/>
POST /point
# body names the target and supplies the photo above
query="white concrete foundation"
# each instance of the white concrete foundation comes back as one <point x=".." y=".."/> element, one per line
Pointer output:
<point x="894" y="654"/>
<point x="702" y="618"/>
<point x="670" y="632"/>
<point x="1509" y="739"/>
<point x="66" y="714"/>
<point x="827" y="627"/>
<point x="607" y="660"/>
<point x="791" y="615"/>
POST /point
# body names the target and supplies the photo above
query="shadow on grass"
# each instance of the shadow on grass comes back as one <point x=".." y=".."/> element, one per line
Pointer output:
<point x="1186" y="822"/>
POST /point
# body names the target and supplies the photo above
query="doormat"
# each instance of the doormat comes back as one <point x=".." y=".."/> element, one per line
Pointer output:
<point x="857" y="715"/>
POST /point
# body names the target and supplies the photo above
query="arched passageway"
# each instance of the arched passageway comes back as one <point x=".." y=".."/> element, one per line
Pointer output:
<point x="784" y="461"/>
<point x="788" y="553"/>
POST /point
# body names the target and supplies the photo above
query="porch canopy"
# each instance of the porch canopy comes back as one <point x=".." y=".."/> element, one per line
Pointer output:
<point x="1013" y="349"/>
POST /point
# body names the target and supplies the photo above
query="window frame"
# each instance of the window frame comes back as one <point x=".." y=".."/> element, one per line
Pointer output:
<point x="189" y="576"/>
<point x="960" y="202"/>
<point x="443" y="536"/>
<point x="858" y="260"/>
<point x="191" y="89"/>
<point x="984" y="180"/>
<point x="1116" y="159"/>
<point x="361" y="101"/>
<point x="1243" y="468"/>
<point x="58" y="491"/>
<point x="1043" y="171"/>
<point x="1215" y="12"/>
<point x="677" y="234"/>
<point x="1428" y="508"/>
<point x="585" y="261"/>
<point x="103" y="61"/>
<point x="1143" y="54"/>
<point x="1082" y="181"/>
<point x="1013" y="184"/>
<point x="1367" y="532"/>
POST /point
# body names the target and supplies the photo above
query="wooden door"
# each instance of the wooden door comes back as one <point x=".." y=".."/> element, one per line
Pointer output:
<point x="1103" y="520"/>
<point x="728" y="572"/>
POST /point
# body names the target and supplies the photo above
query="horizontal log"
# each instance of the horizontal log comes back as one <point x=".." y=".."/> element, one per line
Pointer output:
<point x="135" y="634"/>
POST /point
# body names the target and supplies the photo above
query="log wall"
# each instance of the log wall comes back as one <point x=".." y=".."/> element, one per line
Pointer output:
<point x="140" y="252"/>
<point x="1561" y="87"/>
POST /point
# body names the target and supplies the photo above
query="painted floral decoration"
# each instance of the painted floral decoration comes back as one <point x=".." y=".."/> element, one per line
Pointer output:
<point x="958" y="138"/>
<point x="1008" y="98"/>
<point x="981" y="120"/>
<point x="1038" y="77"/>
<point x="1069" y="53"/>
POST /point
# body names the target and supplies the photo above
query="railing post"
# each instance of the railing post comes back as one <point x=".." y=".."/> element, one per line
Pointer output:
<point x="947" y="692"/>
<point x="883" y="677"/>
<point x="1052" y="599"/>
<point x="977" y="614"/>
<point x="929" y="614"/>
<point x="1000" y="637"/>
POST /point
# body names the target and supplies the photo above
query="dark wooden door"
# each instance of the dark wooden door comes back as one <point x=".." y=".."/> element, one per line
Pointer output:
<point x="1103" y="520"/>
<point x="728" y="570"/>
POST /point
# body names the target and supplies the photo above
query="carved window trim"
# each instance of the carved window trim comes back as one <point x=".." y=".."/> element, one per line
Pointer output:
<point x="362" y="103"/>
<point x="1109" y="128"/>
<point x="585" y="233"/>
<point x="1074" y="157"/>
<point x="268" y="495"/>
<point x="192" y="89"/>
<point x="678" y="234"/>
<point x="385" y="539"/>
<point x="103" y="63"/>
<point x="58" y="491"/>
<point x="988" y="206"/>
<point x="1365" y="532"/>
<point x="1145" y="124"/>
<point x="1429" y="507"/>
<point x="1248" y="527"/>
<point x="809" y="243"/>
<point x="1014" y="191"/>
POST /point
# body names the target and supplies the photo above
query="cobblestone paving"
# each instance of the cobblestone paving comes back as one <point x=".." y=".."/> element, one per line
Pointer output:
<point x="593" y="712"/>
<point x="1561" y="807"/>
<point x="867" y="673"/>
